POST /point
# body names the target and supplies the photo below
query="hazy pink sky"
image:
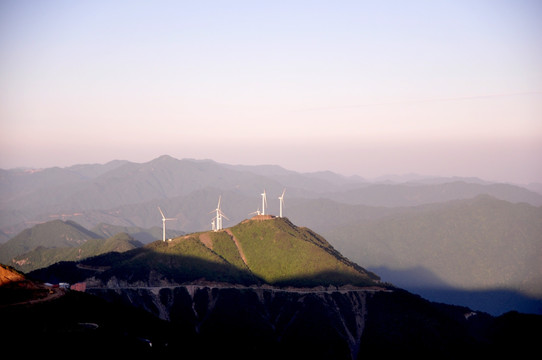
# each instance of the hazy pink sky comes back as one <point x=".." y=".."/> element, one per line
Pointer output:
<point x="356" y="87"/>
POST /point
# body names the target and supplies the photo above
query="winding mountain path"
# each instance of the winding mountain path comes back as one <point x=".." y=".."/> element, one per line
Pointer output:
<point x="238" y="246"/>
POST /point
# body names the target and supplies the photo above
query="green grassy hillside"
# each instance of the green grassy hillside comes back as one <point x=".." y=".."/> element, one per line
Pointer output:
<point x="279" y="252"/>
<point x="273" y="251"/>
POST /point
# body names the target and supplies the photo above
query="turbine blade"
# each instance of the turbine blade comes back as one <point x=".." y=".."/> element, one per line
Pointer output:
<point x="161" y="212"/>
<point x="221" y="213"/>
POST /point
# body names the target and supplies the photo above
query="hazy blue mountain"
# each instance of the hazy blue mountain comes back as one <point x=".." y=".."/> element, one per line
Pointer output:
<point x="15" y="184"/>
<point x="143" y="235"/>
<point x="129" y="183"/>
<point x="480" y="243"/>
<point x="91" y="171"/>
<point x="3" y="237"/>
<point x="411" y="194"/>
<point x="91" y="194"/>
<point x="536" y="187"/>
<point x="316" y="182"/>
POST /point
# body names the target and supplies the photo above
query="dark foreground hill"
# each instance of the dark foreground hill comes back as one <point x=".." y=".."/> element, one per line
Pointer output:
<point x="253" y="322"/>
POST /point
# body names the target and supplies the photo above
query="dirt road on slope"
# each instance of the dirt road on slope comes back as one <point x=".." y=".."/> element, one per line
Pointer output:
<point x="238" y="246"/>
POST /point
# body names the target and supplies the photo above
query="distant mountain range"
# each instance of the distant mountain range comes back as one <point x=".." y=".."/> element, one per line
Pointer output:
<point x="127" y="194"/>
<point x="395" y="225"/>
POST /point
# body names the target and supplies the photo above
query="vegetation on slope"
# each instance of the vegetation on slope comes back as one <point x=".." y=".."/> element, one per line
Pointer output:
<point x="138" y="233"/>
<point x="56" y="233"/>
<point x="281" y="253"/>
<point x="41" y="256"/>
<point x="476" y="243"/>
<point x="273" y="251"/>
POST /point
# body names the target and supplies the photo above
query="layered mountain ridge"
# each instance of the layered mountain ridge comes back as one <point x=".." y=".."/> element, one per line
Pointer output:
<point x="126" y="193"/>
<point x="367" y="221"/>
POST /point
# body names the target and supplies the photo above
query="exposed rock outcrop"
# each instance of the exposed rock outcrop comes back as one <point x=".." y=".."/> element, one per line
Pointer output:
<point x="320" y="321"/>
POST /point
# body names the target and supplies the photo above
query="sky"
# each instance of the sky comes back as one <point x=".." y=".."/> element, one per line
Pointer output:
<point x="447" y="88"/>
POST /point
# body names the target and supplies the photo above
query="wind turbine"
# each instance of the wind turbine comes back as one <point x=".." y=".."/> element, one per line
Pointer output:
<point x="164" y="219"/>
<point x="264" y="202"/>
<point x="218" y="217"/>
<point x="257" y="212"/>
<point x="281" y="203"/>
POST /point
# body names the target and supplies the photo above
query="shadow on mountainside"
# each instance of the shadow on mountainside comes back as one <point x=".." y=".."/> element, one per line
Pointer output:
<point x="425" y="283"/>
<point x="210" y="321"/>
<point x="143" y="267"/>
<point x="146" y="267"/>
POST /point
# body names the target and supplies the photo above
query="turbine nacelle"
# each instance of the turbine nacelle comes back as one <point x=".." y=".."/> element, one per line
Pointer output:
<point x="257" y="212"/>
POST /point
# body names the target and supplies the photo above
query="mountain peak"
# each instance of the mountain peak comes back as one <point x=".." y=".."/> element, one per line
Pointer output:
<point x="261" y="250"/>
<point x="164" y="158"/>
<point x="261" y="218"/>
<point x="278" y="252"/>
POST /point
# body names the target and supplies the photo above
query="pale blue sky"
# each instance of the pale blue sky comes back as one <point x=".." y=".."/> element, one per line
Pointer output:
<point x="356" y="87"/>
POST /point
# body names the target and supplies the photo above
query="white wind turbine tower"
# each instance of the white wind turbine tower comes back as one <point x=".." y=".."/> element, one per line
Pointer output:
<point x="281" y="203"/>
<point x="164" y="219"/>
<point x="264" y="202"/>
<point x="219" y="216"/>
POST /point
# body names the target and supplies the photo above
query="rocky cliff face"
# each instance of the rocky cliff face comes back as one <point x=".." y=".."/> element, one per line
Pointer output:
<point x="316" y="323"/>
<point x="319" y="323"/>
<point x="210" y="321"/>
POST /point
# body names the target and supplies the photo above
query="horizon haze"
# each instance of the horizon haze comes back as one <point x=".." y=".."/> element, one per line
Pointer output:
<point x="355" y="87"/>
